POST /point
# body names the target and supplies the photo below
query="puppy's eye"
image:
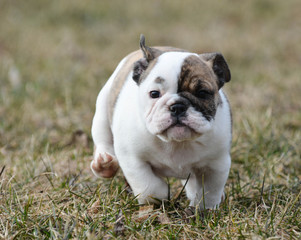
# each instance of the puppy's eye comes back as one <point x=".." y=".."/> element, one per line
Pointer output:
<point x="204" y="94"/>
<point x="154" y="94"/>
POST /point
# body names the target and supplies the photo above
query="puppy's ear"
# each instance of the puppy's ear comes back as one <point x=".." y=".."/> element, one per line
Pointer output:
<point x="141" y="65"/>
<point x="148" y="52"/>
<point x="219" y="67"/>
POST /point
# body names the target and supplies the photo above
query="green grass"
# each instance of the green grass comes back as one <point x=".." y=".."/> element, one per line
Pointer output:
<point x="54" y="59"/>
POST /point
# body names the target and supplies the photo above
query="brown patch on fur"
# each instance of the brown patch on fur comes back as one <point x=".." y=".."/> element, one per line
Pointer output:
<point x="119" y="81"/>
<point x="198" y="84"/>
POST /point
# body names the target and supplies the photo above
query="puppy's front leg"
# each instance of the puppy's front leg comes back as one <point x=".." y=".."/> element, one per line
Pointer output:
<point x="104" y="163"/>
<point x="145" y="184"/>
<point x="206" y="188"/>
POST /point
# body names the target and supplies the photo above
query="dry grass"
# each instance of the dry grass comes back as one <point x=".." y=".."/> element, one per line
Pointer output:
<point x="54" y="58"/>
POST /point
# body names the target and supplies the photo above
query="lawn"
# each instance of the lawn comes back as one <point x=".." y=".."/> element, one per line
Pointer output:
<point x="54" y="58"/>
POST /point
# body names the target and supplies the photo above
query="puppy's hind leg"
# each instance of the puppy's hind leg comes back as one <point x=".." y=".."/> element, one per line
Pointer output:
<point x="104" y="163"/>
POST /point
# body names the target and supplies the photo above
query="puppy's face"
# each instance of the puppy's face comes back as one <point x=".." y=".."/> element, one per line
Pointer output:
<point x="179" y="94"/>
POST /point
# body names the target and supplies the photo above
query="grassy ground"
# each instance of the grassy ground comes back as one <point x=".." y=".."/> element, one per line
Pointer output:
<point x="54" y="58"/>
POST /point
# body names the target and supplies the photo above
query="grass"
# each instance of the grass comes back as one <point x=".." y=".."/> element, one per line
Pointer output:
<point x="54" y="59"/>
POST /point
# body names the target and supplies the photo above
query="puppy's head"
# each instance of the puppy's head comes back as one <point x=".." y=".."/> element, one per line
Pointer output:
<point x="179" y="91"/>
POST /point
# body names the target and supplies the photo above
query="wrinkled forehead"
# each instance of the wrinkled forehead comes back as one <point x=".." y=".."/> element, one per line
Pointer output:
<point x="169" y="64"/>
<point x="167" y="68"/>
<point x="178" y="69"/>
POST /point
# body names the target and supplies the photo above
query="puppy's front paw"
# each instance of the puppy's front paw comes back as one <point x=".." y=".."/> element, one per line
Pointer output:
<point x="105" y="165"/>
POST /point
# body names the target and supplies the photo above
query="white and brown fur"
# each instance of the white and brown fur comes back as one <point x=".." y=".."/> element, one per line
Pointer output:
<point x="163" y="114"/>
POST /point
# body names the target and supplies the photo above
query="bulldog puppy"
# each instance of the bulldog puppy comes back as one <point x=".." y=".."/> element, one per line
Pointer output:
<point x="163" y="114"/>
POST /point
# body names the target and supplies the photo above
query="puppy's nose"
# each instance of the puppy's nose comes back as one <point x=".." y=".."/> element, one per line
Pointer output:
<point x="177" y="109"/>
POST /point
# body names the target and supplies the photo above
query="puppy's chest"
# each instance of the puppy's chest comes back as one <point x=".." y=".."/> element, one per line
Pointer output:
<point x="178" y="163"/>
<point x="177" y="171"/>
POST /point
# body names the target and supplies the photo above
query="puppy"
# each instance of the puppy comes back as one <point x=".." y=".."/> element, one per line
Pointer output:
<point x="163" y="114"/>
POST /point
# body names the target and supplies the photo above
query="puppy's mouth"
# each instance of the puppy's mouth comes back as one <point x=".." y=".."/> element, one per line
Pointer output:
<point x="178" y="131"/>
<point x="174" y="123"/>
<point x="177" y="123"/>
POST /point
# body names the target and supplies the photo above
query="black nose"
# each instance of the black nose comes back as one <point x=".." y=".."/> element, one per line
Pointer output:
<point x="177" y="109"/>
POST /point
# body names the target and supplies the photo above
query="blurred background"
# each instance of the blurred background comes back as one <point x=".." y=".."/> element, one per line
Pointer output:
<point x="56" y="55"/>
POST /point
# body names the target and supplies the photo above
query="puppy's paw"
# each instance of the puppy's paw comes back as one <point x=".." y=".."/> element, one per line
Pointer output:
<point x="105" y="165"/>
